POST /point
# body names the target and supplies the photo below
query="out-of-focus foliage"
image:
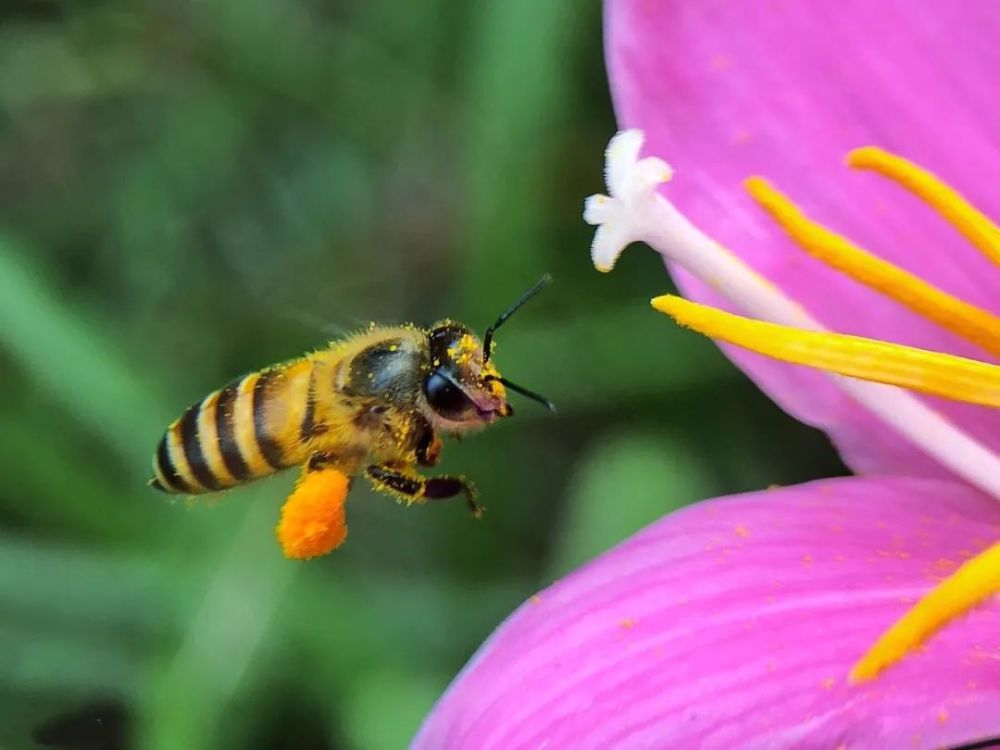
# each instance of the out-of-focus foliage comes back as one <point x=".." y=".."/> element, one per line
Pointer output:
<point x="191" y="190"/>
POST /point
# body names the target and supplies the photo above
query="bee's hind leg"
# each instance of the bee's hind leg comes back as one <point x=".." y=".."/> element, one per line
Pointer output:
<point x="313" y="521"/>
<point x="415" y="488"/>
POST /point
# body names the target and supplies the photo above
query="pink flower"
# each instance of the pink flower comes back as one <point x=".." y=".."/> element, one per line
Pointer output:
<point x="736" y="622"/>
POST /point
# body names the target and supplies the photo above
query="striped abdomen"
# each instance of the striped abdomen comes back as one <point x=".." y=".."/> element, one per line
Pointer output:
<point x="236" y="434"/>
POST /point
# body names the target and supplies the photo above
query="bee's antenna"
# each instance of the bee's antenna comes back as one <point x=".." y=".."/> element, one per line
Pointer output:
<point x="488" y="336"/>
<point x="525" y="392"/>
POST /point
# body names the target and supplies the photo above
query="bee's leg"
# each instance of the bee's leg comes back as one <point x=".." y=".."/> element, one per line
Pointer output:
<point x="313" y="521"/>
<point x="320" y="461"/>
<point x="415" y="488"/>
<point x="442" y="488"/>
<point x="429" y="448"/>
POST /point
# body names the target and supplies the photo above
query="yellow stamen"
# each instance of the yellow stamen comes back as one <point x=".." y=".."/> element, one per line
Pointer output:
<point x="944" y="199"/>
<point x="939" y="374"/>
<point x="313" y="521"/>
<point x="970" y="585"/>
<point x="958" y="316"/>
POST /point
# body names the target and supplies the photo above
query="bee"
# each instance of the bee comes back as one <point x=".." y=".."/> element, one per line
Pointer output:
<point x="374" y="404"/>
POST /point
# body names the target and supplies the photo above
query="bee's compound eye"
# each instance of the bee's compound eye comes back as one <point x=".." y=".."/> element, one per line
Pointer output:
<point x="445" y="397"/>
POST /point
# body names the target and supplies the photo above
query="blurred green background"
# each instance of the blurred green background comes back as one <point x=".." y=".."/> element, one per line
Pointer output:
<point x="192" y="190"/>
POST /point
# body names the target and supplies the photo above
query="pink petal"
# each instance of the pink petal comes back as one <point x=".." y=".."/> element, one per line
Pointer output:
<point x="734" y="623"/>
<point x="729" y="89"/>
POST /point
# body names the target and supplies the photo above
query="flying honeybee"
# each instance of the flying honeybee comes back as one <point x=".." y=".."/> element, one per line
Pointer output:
<point x="375" y="403"/>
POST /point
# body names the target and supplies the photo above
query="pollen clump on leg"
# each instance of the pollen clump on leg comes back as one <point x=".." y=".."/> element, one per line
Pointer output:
<point x="313" y="521"/>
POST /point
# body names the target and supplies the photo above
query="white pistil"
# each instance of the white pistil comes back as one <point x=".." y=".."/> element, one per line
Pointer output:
<point x="632" y="183"/>
<point x="635" y="211"/>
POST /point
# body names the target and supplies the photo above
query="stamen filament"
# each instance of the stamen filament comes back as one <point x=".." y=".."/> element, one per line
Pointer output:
<point x="929" y="372"/>
<point x="945" y="375"/>
<point x="956" y="315"/>
<point x="974" y="582"/>
<point x="944" y="199"/>
<point x="642" y="213"/>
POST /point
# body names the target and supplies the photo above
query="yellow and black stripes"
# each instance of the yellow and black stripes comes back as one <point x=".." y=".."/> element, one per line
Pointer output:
<point x="308" y="426"/>
<point x="170" y="477"/>
<point x="270" y="448"/>
<point x="187" y="459"/>
<point x="222" y="441"/>
<point x="229" y="450"/>
<point x="191" y="441"/>
<point x="248" y="426"/>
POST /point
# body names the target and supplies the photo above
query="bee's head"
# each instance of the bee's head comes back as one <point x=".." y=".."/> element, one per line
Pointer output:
<point x="463" y="388"/>
<point x="460" y="387"/>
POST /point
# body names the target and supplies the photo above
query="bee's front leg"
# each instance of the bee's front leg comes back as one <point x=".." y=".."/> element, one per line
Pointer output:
<point x="429" y="448"/>
<point x="415" y="488"/>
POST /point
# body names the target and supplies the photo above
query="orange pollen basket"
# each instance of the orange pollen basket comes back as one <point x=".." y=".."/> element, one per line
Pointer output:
<point x="940" y="374"/>
<point x="313" y="521"/>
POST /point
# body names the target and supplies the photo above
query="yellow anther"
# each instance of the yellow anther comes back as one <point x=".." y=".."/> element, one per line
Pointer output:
<point x="944" y="199"/>
<point x="939" y="374"/>
<point x="977" y="580"/>
<point x="944" y="375"/>
<point x="968" y="321"/>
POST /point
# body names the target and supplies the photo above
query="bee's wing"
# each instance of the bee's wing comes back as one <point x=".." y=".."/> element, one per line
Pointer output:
<point x="314" y="322"/>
